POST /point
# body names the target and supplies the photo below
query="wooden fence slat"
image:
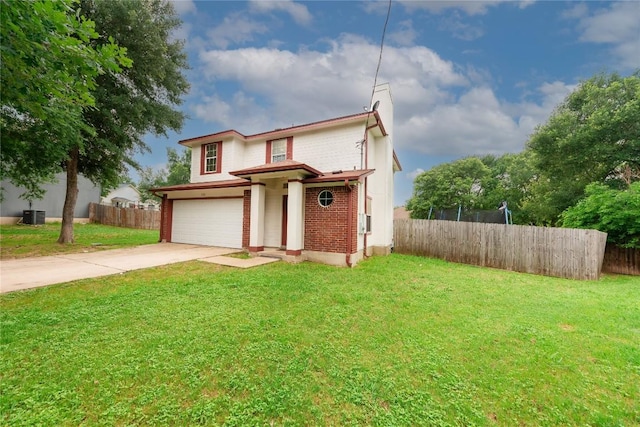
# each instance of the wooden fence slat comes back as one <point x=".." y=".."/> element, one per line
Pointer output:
<point x="560" y="252"/>
<point x="124" y="217"/>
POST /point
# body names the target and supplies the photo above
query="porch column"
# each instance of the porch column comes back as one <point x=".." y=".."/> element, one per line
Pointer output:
<point x="256" y="227"/>
<point x="294" y="218"/>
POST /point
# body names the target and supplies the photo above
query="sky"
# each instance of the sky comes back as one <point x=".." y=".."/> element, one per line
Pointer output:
<point x="467" y="77"/>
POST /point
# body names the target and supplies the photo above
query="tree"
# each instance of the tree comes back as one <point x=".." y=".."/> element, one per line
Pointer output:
<point x="593" y="136"/>
<point x="178" y="171"/>
<point x="140" y="100"/>
<point x="615" y="212"/>
<point x="447" y="186"/>
<point x="510" y="176"/>
<point x="49" y="70"/>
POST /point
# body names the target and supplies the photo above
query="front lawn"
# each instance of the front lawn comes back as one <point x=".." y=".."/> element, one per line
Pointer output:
<point x="398" y="340"/>
<point x="20" y="241"/>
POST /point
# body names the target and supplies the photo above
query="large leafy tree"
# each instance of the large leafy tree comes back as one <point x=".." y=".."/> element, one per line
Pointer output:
<point x="49" y="72"/>
<point x="593" y="136"/>
<point x="476" y="183"/>
<point x="178" y="171"/>
<point x="448" y="185"/>
<point x="510" y="177"/>
<point x="616" y="212"/>
<point x="142" y="99"/>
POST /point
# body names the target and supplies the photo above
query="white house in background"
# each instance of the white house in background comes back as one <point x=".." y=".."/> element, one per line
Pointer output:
<point x="125" y="196"/>
<point x="322" y="191"/>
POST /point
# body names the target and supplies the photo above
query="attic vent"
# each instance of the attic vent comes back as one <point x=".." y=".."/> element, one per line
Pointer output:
<point x="336" y="172"/>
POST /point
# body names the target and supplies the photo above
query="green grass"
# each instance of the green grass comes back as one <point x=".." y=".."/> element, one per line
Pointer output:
<point x="397" y="340"/>
<point x="19" y="241"/>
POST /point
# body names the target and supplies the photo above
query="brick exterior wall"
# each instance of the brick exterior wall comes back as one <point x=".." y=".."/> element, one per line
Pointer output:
<point x="326" y="228"/>
<point x="246" y="218"/>
<point x="166" y="219"/>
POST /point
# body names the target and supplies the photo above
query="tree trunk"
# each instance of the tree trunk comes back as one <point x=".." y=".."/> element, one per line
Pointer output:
<point x="66" y="232"/>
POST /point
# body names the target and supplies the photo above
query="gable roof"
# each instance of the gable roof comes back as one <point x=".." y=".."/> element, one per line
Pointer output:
<point x="282" y="132"/>
<point x="284" y="166"/>
<point x="201" y="186"/>
<point x="338" y="176"/>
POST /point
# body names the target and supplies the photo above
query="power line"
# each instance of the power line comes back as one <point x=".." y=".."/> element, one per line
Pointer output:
<point x="384" y="31"/>
<point x="375" y="82"/>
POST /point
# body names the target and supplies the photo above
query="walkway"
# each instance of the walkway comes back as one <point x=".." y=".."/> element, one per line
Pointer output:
<point x="27" y="273"/>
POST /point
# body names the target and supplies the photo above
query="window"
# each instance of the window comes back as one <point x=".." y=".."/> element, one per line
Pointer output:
<point x="278" y="150"/>
<point x="325" y="198"/>
<point x="211" y="158"/>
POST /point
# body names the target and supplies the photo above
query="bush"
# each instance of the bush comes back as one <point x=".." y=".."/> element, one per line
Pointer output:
<point x="615" y="212"/>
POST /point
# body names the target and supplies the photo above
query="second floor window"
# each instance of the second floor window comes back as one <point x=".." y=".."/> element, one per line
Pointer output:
<point x="211" y="157"/>
<point x="278" y="150"/>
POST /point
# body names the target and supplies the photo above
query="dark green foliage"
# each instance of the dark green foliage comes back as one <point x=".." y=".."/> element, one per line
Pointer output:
<point x="615" y="212"/>
<point x="593" y="136"/>
<point x="178" y="171"/>
<point x="142" y="99"/>
<point x="49" y="73"/>
<point x="447" y="186"/>
<point x="476" y="183"/>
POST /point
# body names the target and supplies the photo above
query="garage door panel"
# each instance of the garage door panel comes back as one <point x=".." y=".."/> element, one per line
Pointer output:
<point x="216" y="222"/>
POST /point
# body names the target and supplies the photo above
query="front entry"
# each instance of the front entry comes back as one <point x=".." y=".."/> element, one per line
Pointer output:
<point x="285" y="203"/>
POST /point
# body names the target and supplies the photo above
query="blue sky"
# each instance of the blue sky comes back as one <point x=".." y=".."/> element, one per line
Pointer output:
<point x="467" y="78"/>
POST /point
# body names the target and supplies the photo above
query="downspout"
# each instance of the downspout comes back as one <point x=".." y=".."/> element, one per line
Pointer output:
<point x="349" y="225"/>
<point x="366" y="186"/>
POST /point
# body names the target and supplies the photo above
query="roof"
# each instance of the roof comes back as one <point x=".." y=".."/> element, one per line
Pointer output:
<point x="281" y="132"/>
<point x="284" y="166"/>
<point x="340" y="176"/>
<point x="202" y="185"/>
<point x="401" y="213"/>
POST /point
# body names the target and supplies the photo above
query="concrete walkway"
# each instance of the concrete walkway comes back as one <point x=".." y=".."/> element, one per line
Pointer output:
<point x="35" y="272"/>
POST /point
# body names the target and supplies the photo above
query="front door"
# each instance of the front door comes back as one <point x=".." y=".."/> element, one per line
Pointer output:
<point x="285" y="203"/>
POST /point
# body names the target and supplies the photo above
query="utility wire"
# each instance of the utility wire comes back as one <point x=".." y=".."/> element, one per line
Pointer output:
<point x="375" y="82"/>
<point x="384" y="31"/>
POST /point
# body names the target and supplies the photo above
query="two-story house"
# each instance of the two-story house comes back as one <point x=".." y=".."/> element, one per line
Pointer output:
<point x="321" y="191"/>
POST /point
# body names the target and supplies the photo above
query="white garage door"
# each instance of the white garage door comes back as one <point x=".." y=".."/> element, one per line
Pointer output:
<point x="215" y="222"/>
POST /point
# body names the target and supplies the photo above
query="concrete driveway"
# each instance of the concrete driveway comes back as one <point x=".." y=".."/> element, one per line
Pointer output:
<point x="29" y="273"/>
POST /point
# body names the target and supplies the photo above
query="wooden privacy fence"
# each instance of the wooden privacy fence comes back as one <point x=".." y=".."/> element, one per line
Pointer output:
<point x="124" y="217"/>
<point x="621" y="260"/>
<point x="560" y="252"/>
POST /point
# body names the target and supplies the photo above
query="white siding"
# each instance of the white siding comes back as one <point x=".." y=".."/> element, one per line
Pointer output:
<point x="273" y="219"/>
<point x="330" y="150"/>
<point x="216" y="222"/>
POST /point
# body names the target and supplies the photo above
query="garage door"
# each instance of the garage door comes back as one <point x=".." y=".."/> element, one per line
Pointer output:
<point x="208" y="222"/>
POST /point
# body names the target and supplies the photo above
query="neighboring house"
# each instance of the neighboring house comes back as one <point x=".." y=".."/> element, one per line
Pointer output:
<point x="127" y="196"/>
<point x="401" y="213"/>
<point x="321" y="191"/>
<point x="12" y="206"/>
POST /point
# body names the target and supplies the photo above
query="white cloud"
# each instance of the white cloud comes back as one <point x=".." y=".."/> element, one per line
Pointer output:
<point x="459" y="29"/>
<point x="618" y="25"/>
<point x="414" y="173"/>
<point x="311" y="85"/>
<point x="298" y="12"/>
<point x="406" y="35"/>
<point x="437" y="109"/>
<point x="184" y="7"/>
<point x="235" y="29"/>
<point x="475" y="7"/>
